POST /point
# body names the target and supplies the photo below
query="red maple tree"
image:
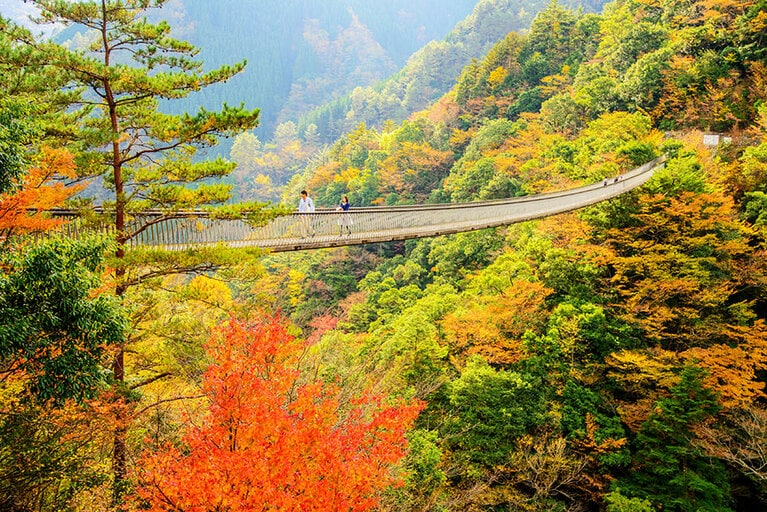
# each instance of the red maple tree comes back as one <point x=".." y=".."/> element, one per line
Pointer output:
<point x="273" y="441"/>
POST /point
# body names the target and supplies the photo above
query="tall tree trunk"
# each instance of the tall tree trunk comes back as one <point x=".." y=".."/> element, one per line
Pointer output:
<point x="119" y="454"/>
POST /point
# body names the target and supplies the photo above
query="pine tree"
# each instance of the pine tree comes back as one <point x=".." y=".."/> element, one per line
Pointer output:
<point x="669" y="469"/>
<point x="144" y="158"/>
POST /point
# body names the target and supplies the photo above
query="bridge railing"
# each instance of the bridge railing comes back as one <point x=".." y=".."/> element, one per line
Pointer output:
<point x="323" y="228"/>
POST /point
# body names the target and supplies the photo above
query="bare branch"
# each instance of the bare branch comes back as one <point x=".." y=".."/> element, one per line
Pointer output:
<point x="166" y="400"/>
<point x="150" y="380"/>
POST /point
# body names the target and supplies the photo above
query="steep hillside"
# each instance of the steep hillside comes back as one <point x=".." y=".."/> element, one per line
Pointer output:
<point x="609" y="359"/>
<point x="429" y="73"/>
<point x="318" y="48"/>
<point x="264" y="166"/>
<point x="326" y="47"/>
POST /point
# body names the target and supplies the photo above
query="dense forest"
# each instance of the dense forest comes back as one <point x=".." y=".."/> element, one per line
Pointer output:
<point x="611" y="359"/>
<point x="304" y="53"/>
<point x="335" y="43"/>
<point x="428" y="74"/>
<point x="322" y="109"/>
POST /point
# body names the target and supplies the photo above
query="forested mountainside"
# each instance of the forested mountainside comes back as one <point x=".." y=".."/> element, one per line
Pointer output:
<point x="321" y="49"/>
<point x="611" y="359"/>
<point x="265" y="166"/>
<point x="304" y="53"/>
<point x="428" y="74"/>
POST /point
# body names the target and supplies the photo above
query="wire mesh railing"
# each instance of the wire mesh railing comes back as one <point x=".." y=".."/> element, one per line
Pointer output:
<point x="330" y="228"/>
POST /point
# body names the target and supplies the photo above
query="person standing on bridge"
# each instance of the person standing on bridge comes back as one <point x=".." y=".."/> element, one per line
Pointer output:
<point x="345" y="220"/>
<point x="306" y="205"/>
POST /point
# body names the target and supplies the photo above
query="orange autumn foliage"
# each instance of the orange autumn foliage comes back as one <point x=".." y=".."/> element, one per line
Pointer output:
<point x="493" y="326"/>
<point x="681" y="267"/>
<point x="733" y="371"/>
<point x="21" y="211"/>
<point x="645" y="376"/>
<point x="272" y="441"/>
<point x="414" y="169"/>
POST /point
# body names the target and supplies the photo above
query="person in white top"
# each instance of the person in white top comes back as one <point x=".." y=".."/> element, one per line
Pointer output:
<point x="306" y="205"/>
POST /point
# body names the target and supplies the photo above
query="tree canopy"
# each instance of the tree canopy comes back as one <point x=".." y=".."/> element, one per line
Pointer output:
<point x="611" y="358"/>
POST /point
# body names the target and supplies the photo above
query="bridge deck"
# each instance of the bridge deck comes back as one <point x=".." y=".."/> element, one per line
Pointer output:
<point x="321" y="229"/>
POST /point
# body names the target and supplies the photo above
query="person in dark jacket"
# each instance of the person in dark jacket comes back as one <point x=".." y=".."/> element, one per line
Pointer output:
<point x="345" y="220"/>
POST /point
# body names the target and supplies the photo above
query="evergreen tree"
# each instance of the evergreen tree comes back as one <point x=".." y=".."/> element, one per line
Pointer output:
<point x="144" y="158"/>
<point x="14" y="130"/>
<point x="669" y="470"/>
<point x="29" y="92"/>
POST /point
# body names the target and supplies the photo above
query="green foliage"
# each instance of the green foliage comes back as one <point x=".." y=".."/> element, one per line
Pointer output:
<point x="616" y="502"/>
<point x="586" y="330"/>
<point x="529" y="100"/>
<point x="643" y="81"/>
<point x="612" y="131"/>
<point x="47" y="458"/>
<point x="578" y="403"/>
<point x="474" y="171"/>
<point x="756" y="208"/>
<point x="637" y="153"/>
<point x="499" y="275"/>
<point x="754" y="168"/>
<point x="626" y="39"/>
<point x="490" y="135"/>
<point x="423" y="461"/>
<point x="33" y="98"/>
<point x="383" y="297"/>
<point x="51" y="327"/>
<point x="670" y="471"/>
<point x="517" y="74"/>
<point x="552" y="42"/>
<point x="682" y="174"/>
<point x="404" y="341"/>
<point x="561" y="113"/>
<point x="329" y="280"/>
<point x="16" y="129"/>
<point x="489" y="410"/>
<point x="453" y="258"/>
<point x="468" y="185"/>
<point x="414" y="351"/>
<point x="390" y="298"/>
<point x="425" y="476"/>
<point x="561" y="271"/>
<point x="552" y="354"/>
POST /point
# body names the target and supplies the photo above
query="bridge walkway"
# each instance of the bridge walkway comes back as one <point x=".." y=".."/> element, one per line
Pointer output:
<point x="321" y="229"/>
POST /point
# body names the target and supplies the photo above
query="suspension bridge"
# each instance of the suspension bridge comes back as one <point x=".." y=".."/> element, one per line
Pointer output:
<point x="328" y="228"/>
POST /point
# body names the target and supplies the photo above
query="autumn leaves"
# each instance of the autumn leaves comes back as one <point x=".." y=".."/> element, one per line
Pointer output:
<point x="273" y="438"/>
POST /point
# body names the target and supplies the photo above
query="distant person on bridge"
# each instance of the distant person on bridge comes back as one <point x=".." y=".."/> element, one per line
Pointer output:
<point x="345" y="220"/>
<point x="306" y="205"/>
